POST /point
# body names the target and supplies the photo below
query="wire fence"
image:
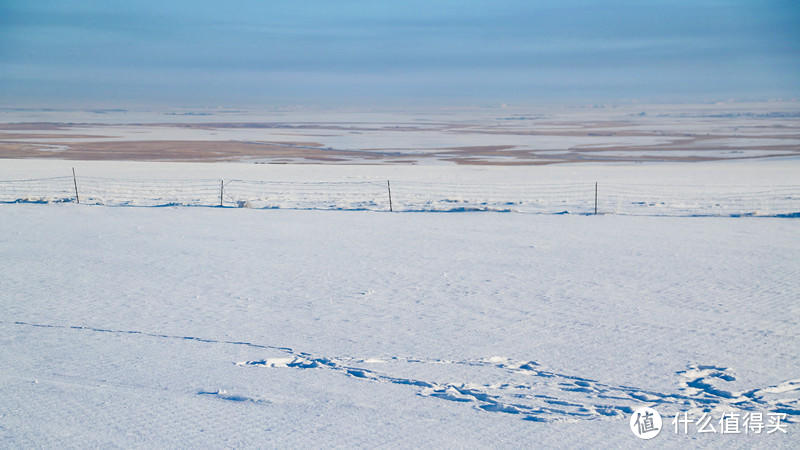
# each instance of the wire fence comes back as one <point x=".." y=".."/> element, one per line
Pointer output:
<point x="564" y="198"/>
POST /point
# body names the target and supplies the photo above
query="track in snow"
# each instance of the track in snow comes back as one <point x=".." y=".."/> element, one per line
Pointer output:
<point x="522" y="388"/>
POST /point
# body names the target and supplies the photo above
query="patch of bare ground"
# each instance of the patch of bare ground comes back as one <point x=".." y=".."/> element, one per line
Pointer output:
<point x="36" y="126"/>
<point x="285" y="126"/>
<point x="487" y="162"/>
<point x="14" y="136"/>
<point x="176" y="151"/>
<point x="703" y="146"/>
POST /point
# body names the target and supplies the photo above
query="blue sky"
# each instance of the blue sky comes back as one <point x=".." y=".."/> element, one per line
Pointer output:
<point x="199" y="53"/>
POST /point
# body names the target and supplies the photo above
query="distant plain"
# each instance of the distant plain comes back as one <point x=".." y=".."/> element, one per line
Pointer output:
<point x="481" y="136"/>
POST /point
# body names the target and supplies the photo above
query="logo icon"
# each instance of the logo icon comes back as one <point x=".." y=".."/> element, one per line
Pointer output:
<point x="645" y="423"/>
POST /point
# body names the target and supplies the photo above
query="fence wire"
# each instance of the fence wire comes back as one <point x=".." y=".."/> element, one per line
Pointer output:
<point x="571" y="198"/>
<point x="38" y="190"/>
<point x="348" y="195"/>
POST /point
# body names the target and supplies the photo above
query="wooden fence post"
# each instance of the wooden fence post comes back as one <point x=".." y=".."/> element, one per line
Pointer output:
<point x="389" y="186"/>
<point x="75" y="182"/>
<point x="221" y="190"/>
<point x="595" y="198"/>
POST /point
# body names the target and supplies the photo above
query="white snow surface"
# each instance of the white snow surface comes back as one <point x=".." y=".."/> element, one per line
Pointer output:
<point x="722" y="188"/>
<point x="304" y="327"/>
<point x="210" y="327"/>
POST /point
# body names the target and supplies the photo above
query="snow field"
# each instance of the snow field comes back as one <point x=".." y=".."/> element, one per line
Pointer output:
<point x="239" y="327"/>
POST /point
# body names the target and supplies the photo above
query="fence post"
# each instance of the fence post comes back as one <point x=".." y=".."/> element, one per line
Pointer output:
<point x="75" y="182"/>
<point x="389" y="186"/>
<point x="595" y="198"/>
<point x="221" y="189"/>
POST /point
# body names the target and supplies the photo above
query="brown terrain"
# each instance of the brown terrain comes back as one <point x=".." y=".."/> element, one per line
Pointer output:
<point x="22" y="141"/>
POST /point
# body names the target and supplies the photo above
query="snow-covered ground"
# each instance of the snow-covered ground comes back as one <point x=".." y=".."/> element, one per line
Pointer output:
<point x="211" y="327"/>
<point x="187" y="327"/>
<point x="724" y="188"/>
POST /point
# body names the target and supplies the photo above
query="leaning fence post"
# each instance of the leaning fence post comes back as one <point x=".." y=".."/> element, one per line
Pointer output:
<point x="595" y="198"/>
<point x="75" y="182"/>
<point x="221" y="189"/>
<point x="389" y="186"/>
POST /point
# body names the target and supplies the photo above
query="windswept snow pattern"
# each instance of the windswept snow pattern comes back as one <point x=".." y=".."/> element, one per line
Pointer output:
<point x="522" y="388"/>
<point x="210" y="327"/>
<point x="415" y="196"/>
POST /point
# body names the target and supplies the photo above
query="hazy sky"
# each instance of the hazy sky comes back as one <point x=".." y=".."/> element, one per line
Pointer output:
<point x="199" y="53"/>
